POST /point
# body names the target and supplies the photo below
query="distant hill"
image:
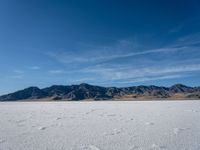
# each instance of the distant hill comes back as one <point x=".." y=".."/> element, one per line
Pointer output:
<point x="91" y="92"/>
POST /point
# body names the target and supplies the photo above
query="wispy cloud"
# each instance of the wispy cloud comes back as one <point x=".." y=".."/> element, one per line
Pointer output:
<point x="191" y="39"/>
<point x="58" y="71"/>
<point x="152" y="78"/>
<point x="123" y="62"/>
<point x="16" y="77"/>
<point x="18" y="71"/>
<point x="106" y="53"/>
<point x="141" y="74"/>
<point x="83" y="80"/>
<point x="142" y="79"/>
<point x="16" y="74"/>
<point x="33" y="67"/>
<point x="123" y="51"/>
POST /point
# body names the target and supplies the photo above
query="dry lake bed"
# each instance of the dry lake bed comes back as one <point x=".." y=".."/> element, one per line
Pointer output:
<point x="102" y="125"/>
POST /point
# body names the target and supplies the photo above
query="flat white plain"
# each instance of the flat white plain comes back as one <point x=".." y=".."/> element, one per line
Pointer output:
<point x="100" y="125"/>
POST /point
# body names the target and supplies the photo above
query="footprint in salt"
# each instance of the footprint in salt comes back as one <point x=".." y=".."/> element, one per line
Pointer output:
<point x="90" y="147"/>
<point x="176" y="131"/>
<point x="149" y="123"/>
<point x="58" y="118"/>
<point x="129" y="120"/>
<point x="114" y="132"/>
<point x="133" y="137"/>
<point x="195" y="111"/>
<point x="42" y="128"/>
<point x="20" y="125"/>
<point x="2" y="141"/>
<point x="157" y="147"/>
<point x="72" y="117"/>
<point x="134" y="147"/>
<point x="92" y="110"/>
<point x="111" y="115"/>
<point x="87" y="113"/>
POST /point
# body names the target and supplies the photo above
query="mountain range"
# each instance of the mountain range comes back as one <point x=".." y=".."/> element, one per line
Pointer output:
<point x="91" y="92"/>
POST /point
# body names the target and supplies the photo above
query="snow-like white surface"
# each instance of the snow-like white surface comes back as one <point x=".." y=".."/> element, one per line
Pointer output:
<point x="108" y="125"/>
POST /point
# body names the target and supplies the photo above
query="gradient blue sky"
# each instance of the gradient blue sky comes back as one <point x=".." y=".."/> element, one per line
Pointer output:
<point x="102" y="42"/>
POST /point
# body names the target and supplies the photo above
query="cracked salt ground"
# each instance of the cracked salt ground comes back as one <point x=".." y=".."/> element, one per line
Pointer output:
<point x="109" y="125"/>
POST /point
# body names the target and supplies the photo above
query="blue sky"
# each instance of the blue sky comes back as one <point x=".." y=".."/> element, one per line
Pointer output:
<point x="107" y="42"/>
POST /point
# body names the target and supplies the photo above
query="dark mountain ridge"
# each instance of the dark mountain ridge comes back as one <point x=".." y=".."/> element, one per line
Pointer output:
<point x="87" y="91"/>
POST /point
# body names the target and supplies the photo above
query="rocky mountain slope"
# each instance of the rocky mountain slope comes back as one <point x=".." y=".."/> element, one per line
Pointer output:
<point x="85" y="91"/>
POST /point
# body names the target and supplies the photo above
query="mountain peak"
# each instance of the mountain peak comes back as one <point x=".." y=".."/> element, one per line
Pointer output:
<point x="87" y="91"/>
<point x="32" y="88"/>
<point x="180" y="88"/>
<point x="28" y="93"/>
<point x="84" y="84"/>
<point x="179" y="85"/>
